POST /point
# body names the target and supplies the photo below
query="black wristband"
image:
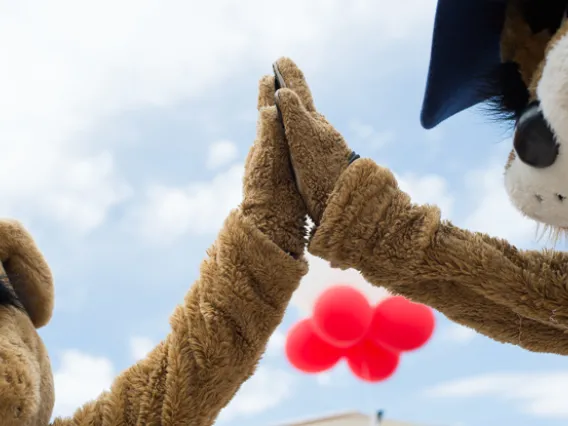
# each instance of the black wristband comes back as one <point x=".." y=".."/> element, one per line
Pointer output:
<point x="354" y="156"/>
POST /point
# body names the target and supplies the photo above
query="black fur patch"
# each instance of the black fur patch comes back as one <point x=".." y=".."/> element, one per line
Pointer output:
<point x="543" y="14"/>
<point x="7" y="295"/>
<point x="506" y="93"/>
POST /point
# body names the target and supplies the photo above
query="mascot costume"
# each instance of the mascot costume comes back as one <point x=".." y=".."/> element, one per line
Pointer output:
<point x="508" y="53"/>
<point x="218" y="333"/>
<point x="513" y="55"/>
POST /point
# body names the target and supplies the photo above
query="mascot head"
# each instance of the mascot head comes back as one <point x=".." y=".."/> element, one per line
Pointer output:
<point x="26" y="304"/>
<point x="511" y="55"/>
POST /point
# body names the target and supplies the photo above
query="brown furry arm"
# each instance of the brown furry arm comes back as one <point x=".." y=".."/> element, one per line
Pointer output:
<point x="217" y="337"/>
<point x="485" y="283"/>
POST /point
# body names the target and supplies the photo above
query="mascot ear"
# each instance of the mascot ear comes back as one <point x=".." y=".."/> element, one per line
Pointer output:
<point x="487" y="51"/>
<point x="27" y="282"/>
<point x="465" y="47"/>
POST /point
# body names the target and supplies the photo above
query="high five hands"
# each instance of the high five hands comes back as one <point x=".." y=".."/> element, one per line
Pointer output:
<point x="365" y="222"/>
<point x="318" y="152"/>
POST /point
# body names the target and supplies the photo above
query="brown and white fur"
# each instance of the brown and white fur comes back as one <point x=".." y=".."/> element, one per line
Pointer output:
<point x="539" y="49"/>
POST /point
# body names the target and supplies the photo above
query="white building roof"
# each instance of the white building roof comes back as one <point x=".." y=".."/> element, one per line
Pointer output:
<point x="350" y="418"/>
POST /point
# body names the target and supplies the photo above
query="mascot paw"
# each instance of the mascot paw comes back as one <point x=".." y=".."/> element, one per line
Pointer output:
<point x="318" y="152"/>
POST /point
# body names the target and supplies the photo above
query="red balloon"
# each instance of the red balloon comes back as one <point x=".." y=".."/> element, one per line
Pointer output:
<point x="307" y="352"/>
<point x="342" y="316"/>
<point x="372" y="363"/>
<point x="401" y="324"/>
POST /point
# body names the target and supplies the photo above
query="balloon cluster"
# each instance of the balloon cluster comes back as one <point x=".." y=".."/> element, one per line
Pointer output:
<point x="371" y="339"/>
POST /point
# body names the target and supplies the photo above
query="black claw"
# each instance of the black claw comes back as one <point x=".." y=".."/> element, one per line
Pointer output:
<point x="278" y="110"/>
<point x="354" y="156"/>
<point x="278" y="80"/>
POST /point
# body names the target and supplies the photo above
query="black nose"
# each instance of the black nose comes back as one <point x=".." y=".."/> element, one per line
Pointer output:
<point x="534" y="140"/>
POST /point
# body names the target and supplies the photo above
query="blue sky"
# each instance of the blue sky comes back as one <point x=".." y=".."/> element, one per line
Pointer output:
<point x="126" y="125"/>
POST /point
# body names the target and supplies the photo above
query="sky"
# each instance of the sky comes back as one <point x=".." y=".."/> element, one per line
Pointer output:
<point x="124" y="130"/>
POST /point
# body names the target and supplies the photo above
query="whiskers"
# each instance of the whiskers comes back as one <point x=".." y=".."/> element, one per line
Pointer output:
<point x="552" y="235"/>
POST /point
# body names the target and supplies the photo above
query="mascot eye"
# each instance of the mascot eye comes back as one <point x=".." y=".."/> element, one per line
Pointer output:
<point x="534" y="141"/>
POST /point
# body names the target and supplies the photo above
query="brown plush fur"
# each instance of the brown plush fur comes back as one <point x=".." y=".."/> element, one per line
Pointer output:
<point x="270" y="195"/>
<point x="484" y="283"/>
<point x="520" y="45"/>
<point x="330" y="152"/>
<point x="218" y="334"/>
<point x="217" y="337"/>
<point x="26" y="381"/>
<point x="369" y="224"/>
<point x="28" y="271"/>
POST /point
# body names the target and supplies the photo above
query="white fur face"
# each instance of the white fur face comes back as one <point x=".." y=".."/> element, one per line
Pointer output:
<point x="542" y="193"/>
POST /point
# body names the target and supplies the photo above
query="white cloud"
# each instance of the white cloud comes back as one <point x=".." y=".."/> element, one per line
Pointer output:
<point x="88" y="187"/>
<point x="321" y="277"/>
<point x="340" y="376"/>
<point x="167" y="213"/>
<point x="324" y="379"/>
<point x="140" y="347"/>
<point x="74" y="190"/>
<point x="372" y="138"/>
<point x="267" y="389"/>
<point x="537" y="394"/>
<point x="56" y="89"/>
<point x="276" y="344"/>
<point x="80" y="379"/>
<point x="221" y="153"/>
<point x="432" y="189"/>
<point x="494" y="214"/>
<point x="458" y="334"/>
